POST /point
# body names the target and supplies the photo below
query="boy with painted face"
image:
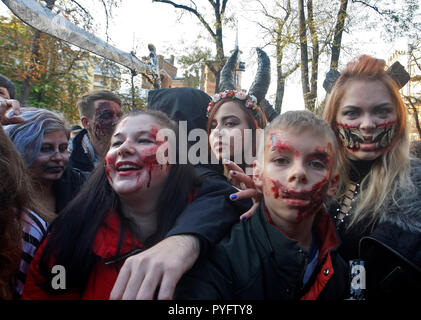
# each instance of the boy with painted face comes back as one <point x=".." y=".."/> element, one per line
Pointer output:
<point x="286" y="250"/>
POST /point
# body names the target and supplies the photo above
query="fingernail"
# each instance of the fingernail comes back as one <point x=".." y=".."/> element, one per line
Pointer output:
<point x="233" y="196"/>
<point x="234" y="172"/>
<point x="243" y="218"/>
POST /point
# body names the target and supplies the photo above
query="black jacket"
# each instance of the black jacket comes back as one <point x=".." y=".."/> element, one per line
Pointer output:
<point x="211" y="215"/>
<point x="256" y="261"/>
<point x="393" y="263"/>
<point x="66" y="188"/>
<point x="181" y="104"/>
<point x="78" y="158"/>
<point x="390" y="249"/>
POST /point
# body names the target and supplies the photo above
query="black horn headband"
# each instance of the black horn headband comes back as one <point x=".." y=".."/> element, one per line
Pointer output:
<point x="396" y="71"/>
<point x="258" y="89"/>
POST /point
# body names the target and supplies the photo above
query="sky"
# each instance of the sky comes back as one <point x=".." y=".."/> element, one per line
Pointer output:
<point x="158" y="23"/>
<point x="139" y="22"/>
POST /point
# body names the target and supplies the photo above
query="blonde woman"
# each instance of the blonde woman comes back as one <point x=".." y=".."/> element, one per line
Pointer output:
<point x="378" y="209"/>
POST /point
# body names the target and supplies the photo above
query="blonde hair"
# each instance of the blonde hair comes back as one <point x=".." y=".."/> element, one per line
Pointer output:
<point x="391" y="171"/>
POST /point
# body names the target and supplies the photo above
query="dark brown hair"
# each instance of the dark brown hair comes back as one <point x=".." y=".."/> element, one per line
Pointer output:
<point x="14" y="197"/>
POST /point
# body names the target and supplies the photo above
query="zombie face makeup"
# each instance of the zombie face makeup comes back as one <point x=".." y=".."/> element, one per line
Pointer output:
<point x="226" y="138"/>
<point x="366" y="120"/>
<point x="353" y="139"/>
<point x="131" y="163"/>
<point x="296" y="175"/>
<point x="106" y="116"/>
<point x="53" y="157"/>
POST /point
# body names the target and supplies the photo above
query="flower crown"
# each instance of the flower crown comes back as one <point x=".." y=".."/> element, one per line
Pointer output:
<point x="250" y="102"/>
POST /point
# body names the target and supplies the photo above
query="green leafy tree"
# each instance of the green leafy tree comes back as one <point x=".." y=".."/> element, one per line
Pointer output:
<point x="49" y="72"/>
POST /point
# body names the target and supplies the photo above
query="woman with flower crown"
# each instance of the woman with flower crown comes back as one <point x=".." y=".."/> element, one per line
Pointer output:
<point x="234" y="117"/>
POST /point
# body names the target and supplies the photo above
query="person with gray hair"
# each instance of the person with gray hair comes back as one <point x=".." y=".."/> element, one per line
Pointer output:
<point x="42" y="141"/>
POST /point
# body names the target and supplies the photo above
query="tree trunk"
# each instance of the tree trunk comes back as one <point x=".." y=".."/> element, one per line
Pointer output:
<point x="29" y="76"/>
<point x="315" y="58"/>
<point x="304" y="55"/>
<point x="280" y="83"/>
<point x="337" y="38"/>
<point x="33" y="66"/>
<point x="411" y="104"/>
<point x="220" y="56"/>
<point x="417" y="122"/>
<point x="280" y="90"/>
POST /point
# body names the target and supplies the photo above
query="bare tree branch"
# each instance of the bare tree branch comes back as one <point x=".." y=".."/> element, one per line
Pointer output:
<point x="194" y="11"/>
<point x="81" y="8"/>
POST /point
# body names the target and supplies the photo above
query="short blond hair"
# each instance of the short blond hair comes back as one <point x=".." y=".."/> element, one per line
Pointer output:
<point x="300" y="121"/>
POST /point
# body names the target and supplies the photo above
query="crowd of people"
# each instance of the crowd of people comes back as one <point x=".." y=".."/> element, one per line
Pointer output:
<point x="288" y="206"/>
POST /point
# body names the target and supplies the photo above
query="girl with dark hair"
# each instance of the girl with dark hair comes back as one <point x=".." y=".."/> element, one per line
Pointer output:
<point x="232" y="112"/>
<point x="21" y="229"/>
<point x="234" y="119"/>
<point x="128" y="204"/>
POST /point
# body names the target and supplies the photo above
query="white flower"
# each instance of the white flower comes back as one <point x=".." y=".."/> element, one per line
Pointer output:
<point x="216" y="98"/>
<point x="249" y="104"/>
<point x="241" y="95"/>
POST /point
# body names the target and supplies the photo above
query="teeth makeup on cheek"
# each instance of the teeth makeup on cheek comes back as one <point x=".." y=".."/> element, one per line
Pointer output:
<point x="352" y="137"/>
<point x="384" y="134"/>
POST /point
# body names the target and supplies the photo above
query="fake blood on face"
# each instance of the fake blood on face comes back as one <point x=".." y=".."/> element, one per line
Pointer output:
<point x="307" y="201"/>
<point x="144" y="159"/>
<point x="107" y="114"/>
<point x="280" y="146"/>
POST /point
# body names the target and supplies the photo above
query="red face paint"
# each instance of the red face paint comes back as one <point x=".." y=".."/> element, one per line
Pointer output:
<point x="142" y="157"/>
<point x="298" y="172"/>
<point x="314" y="197"/>
<point x="278" y="145"/>
<point x="307" y="201"/>
<point x="347" y="126"/>
<point x="386" y="124"/>
<point x="107" y="114"/>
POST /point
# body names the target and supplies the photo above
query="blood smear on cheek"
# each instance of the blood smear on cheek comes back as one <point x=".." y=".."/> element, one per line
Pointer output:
<point x="109" y="165"/>
<point x="150" y="162"/>
<point x="314" y="195"/>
